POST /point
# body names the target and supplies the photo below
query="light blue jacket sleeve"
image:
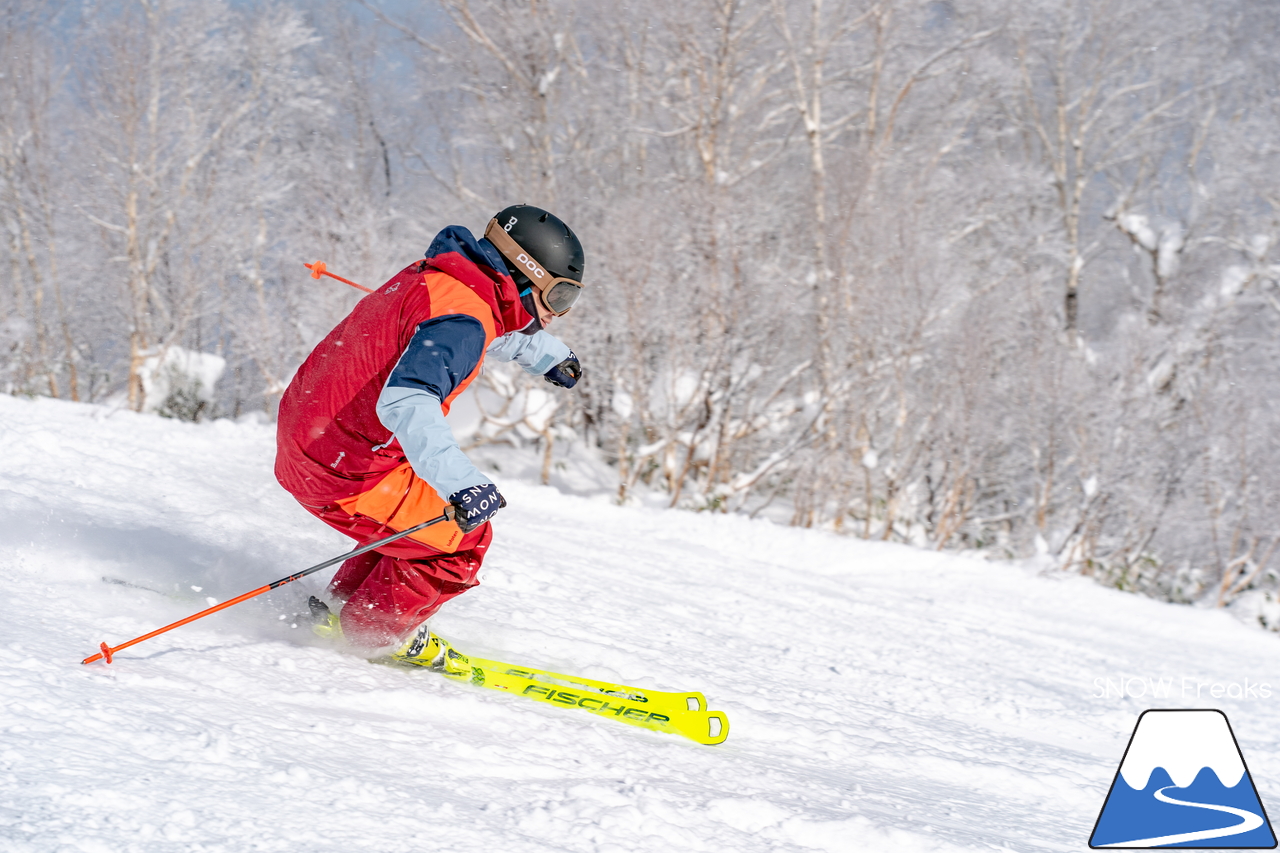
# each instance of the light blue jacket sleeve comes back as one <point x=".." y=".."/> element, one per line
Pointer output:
<point x="416" y="419"/>
<point x="414" y="416"/>
<point x="536" y="353"/>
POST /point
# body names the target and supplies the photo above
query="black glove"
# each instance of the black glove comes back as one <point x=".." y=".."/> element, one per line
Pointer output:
<point x="565" y="374"/>
<point x="476" y="505"/>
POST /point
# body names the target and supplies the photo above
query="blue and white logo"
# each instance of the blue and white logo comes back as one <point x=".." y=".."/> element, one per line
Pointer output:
<point x="1183" y="783"/>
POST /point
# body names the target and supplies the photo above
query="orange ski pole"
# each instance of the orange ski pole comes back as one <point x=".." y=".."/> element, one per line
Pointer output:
<point x="108" y="651"/>
<point x="318" y="269"/>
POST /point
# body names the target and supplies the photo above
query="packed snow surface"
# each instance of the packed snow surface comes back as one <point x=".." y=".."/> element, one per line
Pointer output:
<point x="882" y="698"/>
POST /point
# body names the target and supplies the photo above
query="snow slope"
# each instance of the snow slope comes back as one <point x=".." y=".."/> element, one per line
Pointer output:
<point x="882" y="698"/>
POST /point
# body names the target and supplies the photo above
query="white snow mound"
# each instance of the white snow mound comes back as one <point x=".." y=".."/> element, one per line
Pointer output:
<point x="1183" y="743"/>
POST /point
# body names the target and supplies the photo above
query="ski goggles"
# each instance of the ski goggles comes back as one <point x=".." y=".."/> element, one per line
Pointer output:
<point x="558" y="294"/>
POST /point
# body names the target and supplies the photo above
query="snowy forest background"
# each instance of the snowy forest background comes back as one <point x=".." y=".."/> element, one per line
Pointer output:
<point x="981" y="274"/>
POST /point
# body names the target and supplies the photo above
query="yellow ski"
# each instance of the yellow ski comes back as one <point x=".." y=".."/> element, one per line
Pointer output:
<point x="678" y="713"/>
<point x="691" y="701"/>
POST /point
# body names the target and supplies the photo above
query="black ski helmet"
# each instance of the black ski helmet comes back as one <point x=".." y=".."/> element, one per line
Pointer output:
<point x="543" y="235"/>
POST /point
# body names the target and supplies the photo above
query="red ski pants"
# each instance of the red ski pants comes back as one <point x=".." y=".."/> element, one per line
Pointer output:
<point x="391" y="591"/>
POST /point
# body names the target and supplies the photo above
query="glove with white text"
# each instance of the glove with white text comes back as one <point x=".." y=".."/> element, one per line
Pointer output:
<point x="475" y="505"/>
<point x="565" y="374"/>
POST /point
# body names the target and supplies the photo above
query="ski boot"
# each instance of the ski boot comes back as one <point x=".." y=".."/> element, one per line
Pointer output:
<point x="324" y="622"/>
<point x="427" y="650"/>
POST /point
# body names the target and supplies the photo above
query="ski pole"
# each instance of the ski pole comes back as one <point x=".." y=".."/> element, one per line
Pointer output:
<point x="108" y="651"/>
<point x="318" y="269"/>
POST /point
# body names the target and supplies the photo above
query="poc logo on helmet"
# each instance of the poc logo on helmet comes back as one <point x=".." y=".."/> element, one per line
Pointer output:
<point x="510" y="224"/>
<point x="529" y="264"/>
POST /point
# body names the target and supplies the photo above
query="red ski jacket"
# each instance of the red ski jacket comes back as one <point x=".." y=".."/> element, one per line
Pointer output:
<point x="333" y="453"/>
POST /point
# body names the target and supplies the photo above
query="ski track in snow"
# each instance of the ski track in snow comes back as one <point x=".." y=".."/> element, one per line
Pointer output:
<point x="882" y="698"/>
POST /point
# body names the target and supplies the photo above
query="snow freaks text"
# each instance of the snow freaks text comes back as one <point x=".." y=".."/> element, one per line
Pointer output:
<point x="1182" y="687"/>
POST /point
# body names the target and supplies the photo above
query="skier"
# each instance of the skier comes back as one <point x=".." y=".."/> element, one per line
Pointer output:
<point x="362" y="442"/>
